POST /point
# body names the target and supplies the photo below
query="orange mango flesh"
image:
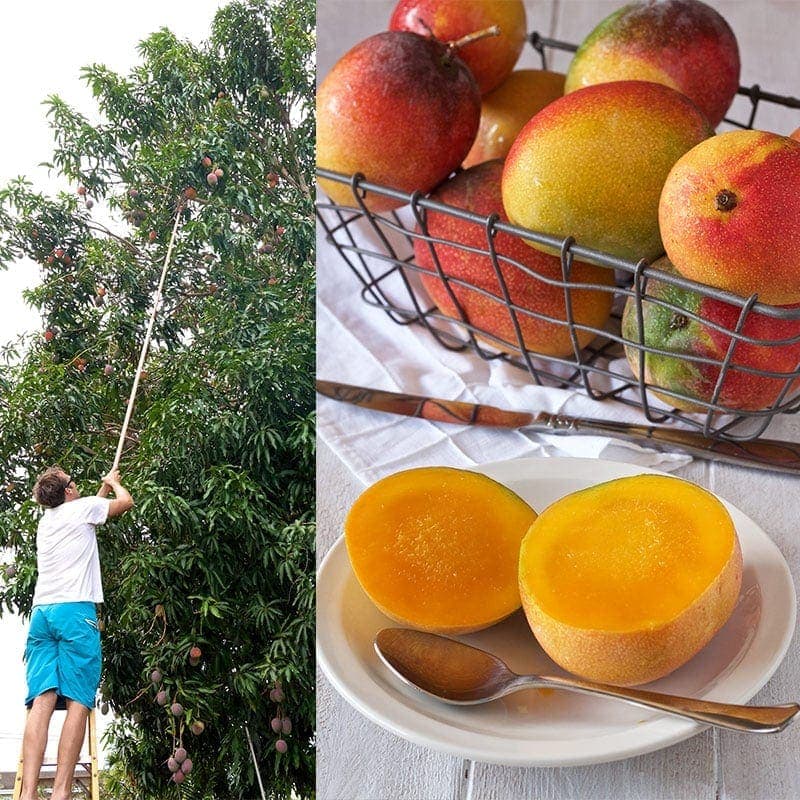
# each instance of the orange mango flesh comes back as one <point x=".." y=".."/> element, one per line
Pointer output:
<point x="626" y="561"/>
<point x="437" y="548"/>
<point x="626" y="581"/>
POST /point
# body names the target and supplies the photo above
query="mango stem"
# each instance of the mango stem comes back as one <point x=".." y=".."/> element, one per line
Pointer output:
<point x="725" y="200"/>
<point x="457" y="44"/>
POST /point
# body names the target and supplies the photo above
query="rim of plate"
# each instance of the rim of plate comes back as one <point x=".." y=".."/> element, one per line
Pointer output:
<point x="389" y="708"/>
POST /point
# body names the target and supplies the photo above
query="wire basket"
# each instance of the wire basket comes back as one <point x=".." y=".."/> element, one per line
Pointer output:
<point x="379" y="249"/>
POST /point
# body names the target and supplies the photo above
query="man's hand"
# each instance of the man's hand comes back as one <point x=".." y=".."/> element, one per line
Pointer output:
<point x="112" y="478"/>
<point x="122" y="501"/>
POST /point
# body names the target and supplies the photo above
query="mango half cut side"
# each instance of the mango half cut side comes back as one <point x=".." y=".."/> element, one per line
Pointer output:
<point x="437" y="548"/>
<point x="627" y="580"/>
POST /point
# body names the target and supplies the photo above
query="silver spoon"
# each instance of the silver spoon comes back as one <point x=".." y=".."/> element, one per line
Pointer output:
<point x="464" y="675"/>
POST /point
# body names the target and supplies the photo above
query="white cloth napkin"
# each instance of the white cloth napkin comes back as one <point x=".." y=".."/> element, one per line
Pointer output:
<point x="359" y="344"/>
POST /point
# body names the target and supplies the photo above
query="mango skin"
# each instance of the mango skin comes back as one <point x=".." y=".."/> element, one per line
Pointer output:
<point x="730" y="215"/>
<point x="478" y="190"/>
<point x="795" y="135"/>
<point x="490" y="60"/>
<point x="505" y="111"/>
<point x="683" y="44"/>
<point x="396" y="110"/>
<point x="636" y="656"/>
<point x="591" y="165"/>
<point x="666" y="329"/>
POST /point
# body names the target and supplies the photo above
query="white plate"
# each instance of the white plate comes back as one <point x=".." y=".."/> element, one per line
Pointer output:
<point x="546" y="727"/>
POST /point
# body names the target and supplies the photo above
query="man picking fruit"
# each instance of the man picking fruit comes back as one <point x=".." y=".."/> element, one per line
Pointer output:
<point x="63" y="648"/>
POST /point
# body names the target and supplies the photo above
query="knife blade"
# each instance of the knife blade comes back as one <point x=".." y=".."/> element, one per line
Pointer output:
<point x="766" y="454"/>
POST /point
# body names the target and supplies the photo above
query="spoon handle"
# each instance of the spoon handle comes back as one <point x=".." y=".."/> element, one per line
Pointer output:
<point x="755" y="719"/>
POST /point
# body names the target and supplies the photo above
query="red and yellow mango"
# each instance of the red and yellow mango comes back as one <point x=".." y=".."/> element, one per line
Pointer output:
<point x="399" y="108"/>
<point x="683" y="44"/>
<point x="505" y="111"/>
<point x="730" y="215"/>
<point x="478" y="190"/>
<point x="492" y="59"/>
<point x="592" y="164"/>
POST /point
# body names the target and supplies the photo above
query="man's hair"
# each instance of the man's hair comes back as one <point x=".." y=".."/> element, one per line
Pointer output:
<point x="49" y="489"/>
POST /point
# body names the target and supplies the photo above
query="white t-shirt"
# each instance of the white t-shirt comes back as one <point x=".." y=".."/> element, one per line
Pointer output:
<point x="66" y="552"/>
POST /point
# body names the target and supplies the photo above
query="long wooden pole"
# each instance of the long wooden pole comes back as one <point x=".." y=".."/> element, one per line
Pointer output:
<point x="148" y="335"/>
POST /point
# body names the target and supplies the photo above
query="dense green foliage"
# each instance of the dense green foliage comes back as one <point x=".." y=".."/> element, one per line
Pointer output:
<point x="218" y="552"/>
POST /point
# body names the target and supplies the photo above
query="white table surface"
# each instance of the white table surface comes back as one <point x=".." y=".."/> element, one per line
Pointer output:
<point x="357" y="760"/>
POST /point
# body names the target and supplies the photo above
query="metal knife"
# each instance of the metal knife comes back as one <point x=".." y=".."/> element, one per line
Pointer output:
<point x="767" y="454"/>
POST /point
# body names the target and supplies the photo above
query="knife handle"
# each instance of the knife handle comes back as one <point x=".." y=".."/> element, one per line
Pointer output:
<point x="411" y="405"/>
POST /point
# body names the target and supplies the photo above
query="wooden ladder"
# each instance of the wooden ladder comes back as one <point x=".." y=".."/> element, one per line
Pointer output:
<point x="91" y="768"/>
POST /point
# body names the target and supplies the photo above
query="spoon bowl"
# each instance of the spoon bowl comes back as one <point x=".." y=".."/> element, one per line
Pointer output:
<point x="460" y="674"/>
<point x="442" y="667"/>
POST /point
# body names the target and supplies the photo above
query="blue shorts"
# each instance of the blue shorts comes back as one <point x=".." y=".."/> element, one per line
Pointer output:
<point x="63" y="652"/>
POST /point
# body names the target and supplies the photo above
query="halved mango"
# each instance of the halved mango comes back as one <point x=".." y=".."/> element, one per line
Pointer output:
<point x="437" y="548"/>
<point x="625" y="581"/>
